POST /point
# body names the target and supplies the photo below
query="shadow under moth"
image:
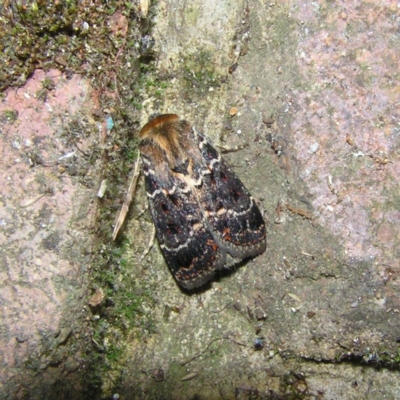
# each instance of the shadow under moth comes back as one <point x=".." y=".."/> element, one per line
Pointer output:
<point x="205" y="218"/>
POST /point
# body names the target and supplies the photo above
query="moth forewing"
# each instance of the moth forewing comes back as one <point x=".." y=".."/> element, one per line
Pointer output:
<point x="204" y="216"/>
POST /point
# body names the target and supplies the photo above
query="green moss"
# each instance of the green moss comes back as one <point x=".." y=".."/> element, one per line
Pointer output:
<point x="397" y="357"/>
<point x="9" y="116"/>
<point x="198" y="72"/>
<point x="67" y="35"/>
<point x="152" y="83"/>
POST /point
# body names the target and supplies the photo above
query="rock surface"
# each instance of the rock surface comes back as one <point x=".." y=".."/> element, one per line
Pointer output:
<point x="311" y="90"/>
<point x="315" y="87"/>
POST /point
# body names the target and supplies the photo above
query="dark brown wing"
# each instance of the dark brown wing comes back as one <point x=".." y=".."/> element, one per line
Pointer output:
<point x="235" y="220"/>
<point x="186" y="242"/>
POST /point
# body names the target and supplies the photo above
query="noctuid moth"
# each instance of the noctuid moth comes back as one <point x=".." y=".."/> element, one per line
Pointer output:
<point x="205" y="218"/>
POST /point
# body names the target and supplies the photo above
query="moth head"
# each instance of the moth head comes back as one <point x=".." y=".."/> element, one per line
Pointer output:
<point x="168" y="134"/>
<point x="158" y="125"/>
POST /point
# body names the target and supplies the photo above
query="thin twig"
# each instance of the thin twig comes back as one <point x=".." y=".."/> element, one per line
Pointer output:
<point x="125" y="207"/>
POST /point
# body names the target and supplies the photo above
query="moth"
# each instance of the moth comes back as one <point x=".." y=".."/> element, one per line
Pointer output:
<point x="205" y="218"/>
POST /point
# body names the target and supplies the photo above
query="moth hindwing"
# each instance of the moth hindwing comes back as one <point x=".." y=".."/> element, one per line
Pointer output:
<point x="205" y="218"/>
